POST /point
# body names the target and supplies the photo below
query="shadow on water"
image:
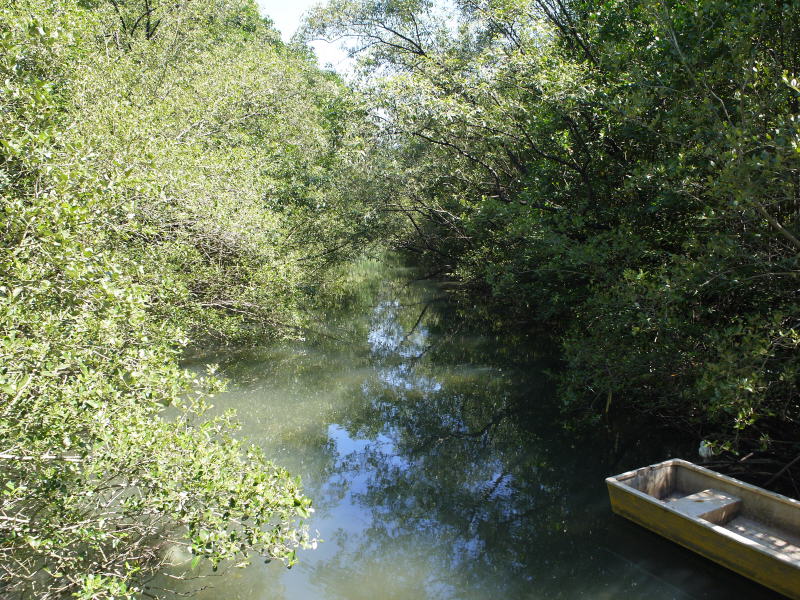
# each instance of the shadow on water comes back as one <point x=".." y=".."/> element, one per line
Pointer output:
<point x="433" y="450"/>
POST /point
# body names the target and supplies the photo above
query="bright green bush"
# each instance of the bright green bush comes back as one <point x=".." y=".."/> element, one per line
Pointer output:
<point x="625" y="174"/>
<point x="160" y="185"/>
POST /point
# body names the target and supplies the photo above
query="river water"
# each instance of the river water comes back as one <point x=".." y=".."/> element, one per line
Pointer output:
<point x="439" y="467"/>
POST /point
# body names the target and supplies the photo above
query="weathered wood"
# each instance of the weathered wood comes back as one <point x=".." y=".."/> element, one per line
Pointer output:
<point x="712" y="505"/>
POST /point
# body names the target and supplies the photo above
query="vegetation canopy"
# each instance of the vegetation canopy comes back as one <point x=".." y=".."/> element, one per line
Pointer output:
<point x="625" y="174"/>
<point x="170" y="173"/>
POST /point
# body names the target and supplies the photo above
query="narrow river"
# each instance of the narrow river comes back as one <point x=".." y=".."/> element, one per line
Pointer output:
<point x="438" y="466"/>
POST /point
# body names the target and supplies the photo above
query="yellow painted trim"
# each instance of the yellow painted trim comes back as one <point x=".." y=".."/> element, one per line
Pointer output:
<point x="713" y="542"/>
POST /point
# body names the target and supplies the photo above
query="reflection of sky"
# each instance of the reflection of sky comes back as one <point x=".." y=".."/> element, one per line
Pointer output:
<point x="351" y="454"/>
<point x="368" y="467"/>
<point x="357" y="499"/>
<point x="397" y="349"/>
<point x="388" y="337"/>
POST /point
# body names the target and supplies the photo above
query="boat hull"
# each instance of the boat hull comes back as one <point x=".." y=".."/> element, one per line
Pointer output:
<point x="707" y="539"/>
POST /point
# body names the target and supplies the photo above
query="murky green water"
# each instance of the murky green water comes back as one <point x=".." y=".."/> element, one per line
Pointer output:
<point x="438" y="469"/>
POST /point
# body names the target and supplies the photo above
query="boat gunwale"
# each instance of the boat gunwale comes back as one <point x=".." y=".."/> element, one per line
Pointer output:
<point x="618" y="482"/>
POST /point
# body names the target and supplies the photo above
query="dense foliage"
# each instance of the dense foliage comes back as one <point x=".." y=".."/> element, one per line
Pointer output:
<point x="170" y="172"/>
<point x="625" y="172"/>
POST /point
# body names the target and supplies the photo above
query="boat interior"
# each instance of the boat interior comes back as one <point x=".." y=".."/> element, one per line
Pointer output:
<point x="751" y="514"/>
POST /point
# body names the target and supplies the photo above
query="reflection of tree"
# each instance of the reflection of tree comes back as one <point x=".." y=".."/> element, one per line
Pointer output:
<point x="455" y="473"/>
<point x="474" y="491"/>
<point x="442" y="436"/>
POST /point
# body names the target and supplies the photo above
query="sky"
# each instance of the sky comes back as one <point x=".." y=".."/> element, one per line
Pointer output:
<point x="286" y="15"/>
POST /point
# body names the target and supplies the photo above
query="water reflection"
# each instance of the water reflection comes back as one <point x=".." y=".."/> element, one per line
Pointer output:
<point x="439" y="469"/>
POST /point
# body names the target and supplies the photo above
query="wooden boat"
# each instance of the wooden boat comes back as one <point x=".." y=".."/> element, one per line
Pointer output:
<point x="740" y="526"/>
